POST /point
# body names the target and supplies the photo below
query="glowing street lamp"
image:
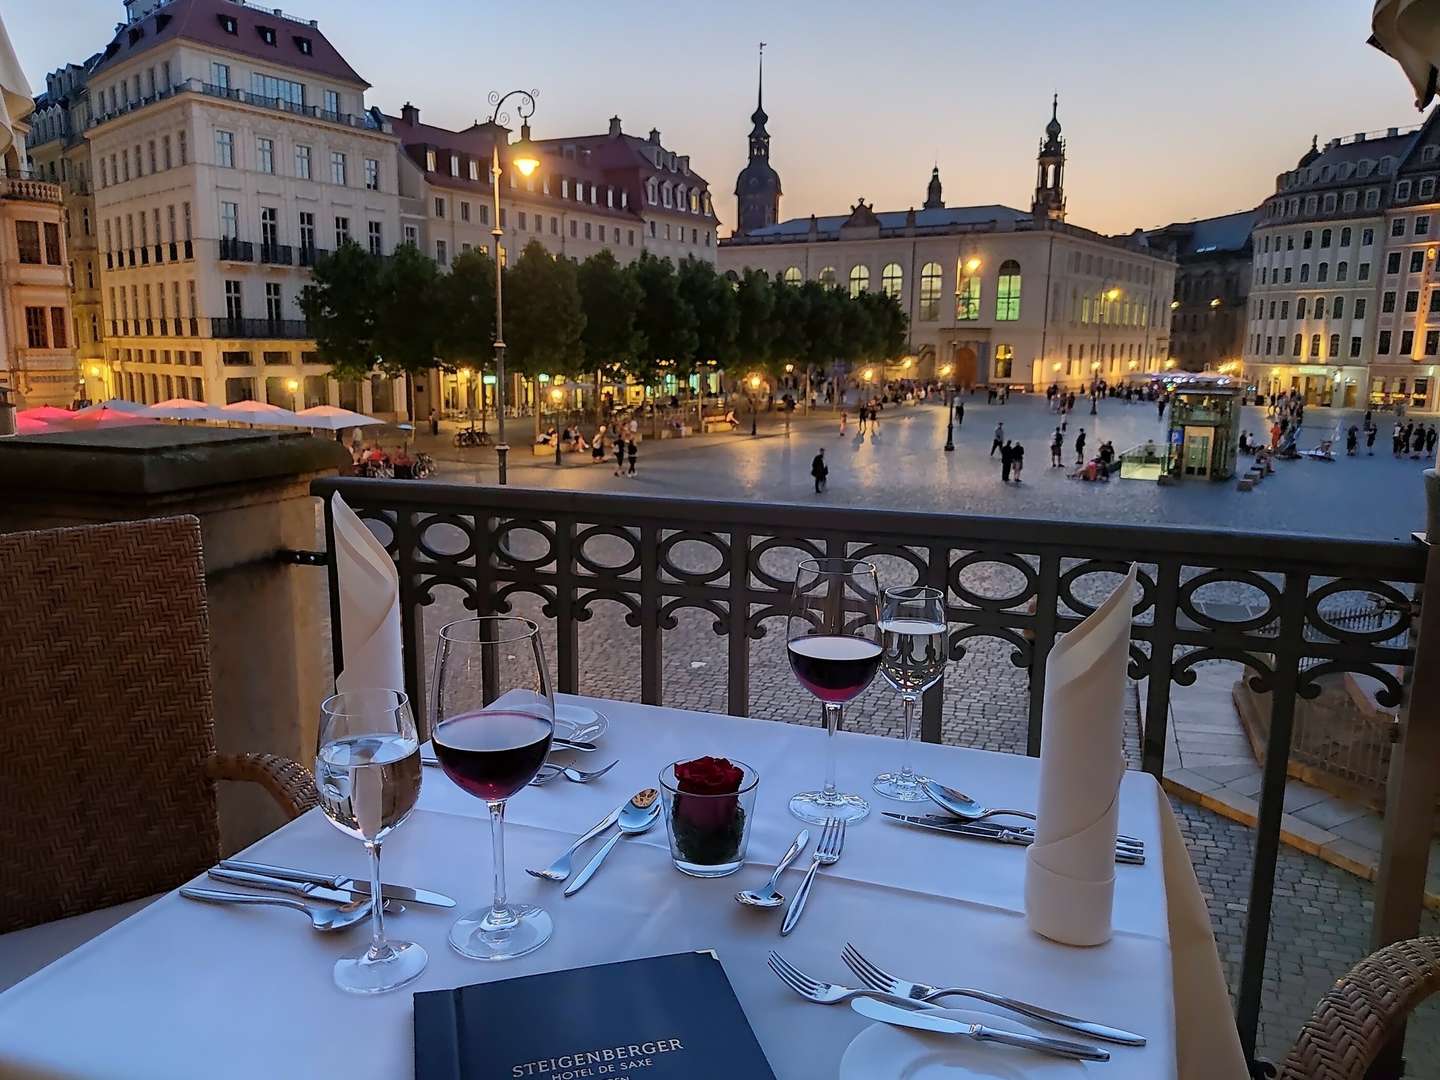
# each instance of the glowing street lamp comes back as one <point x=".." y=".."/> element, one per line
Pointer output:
<point x="971" y="265"/>
<point x="293" y="385"/>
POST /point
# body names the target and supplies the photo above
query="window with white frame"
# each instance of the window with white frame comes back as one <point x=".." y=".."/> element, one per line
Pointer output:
<point x="265" y="155"/>
<point x="302" y="162"/>
<point x="224" y="149"/>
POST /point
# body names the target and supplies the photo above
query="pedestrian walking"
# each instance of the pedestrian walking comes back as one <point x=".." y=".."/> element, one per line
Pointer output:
<point x="819" y="470"/>
<point x="1017" y="461"/>
<point x="619" y="455"/>
<point x="844" y="417"/>
<point x="1080" y="448"/>
<point x="1417" y="442"/>
<point x="434" y="422"/>
<point x="1370" y="432"/>
<point x="1352" y="440"/>
<point x="632" y="451"/>
<point x="1057" y="448"/>
<point x="959" y="413"/>
<point x="1007" y="460"/>
<point x="862" y="414"/>
<point x="1397" y="439"/>
<point x="999" y="438"/>
<point x="1160" y="408"/>
<point x="597" y="448"/>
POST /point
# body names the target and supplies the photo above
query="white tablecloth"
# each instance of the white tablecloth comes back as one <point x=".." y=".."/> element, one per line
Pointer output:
<point x="192" y="990"/>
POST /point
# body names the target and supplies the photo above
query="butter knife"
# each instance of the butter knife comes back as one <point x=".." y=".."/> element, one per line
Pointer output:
<point x="355" y="886"/>
<point x="1122" y="843"/>
<point x="998" y="834"/>
<point x="944" y="1025"/>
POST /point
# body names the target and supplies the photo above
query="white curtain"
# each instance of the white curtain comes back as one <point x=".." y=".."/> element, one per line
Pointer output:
<point x="15" y="100"/>
<point x="1409" y="31"/>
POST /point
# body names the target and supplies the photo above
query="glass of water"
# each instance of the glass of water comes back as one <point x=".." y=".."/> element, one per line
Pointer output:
<point x="367" y="774"/>
<point x="912" y="659"/>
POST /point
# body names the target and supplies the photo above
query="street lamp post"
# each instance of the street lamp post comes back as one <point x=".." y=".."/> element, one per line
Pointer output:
<point x="754" y="384"/>
<point x="556" y="396"/>
<point x="788" y="369"/>
<point x="293" y="385"/>
<point x="1107" y="295"/>
<point x="523" y="157"/>
<point x="949" y="409"/>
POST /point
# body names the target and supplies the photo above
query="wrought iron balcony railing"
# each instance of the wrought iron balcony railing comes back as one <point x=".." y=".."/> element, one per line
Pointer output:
<point x="277" y="254"/>
<point x="222" y="327"/>
<point x="235" y="250"/>
<point x="1020" y="581"/>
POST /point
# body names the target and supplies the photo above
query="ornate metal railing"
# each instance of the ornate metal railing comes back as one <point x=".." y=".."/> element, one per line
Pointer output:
<point x="495" y="544"/>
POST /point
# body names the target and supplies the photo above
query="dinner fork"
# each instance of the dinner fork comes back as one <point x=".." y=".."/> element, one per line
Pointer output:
<point x="824" y="993"/>
<point x="827" y="853"/>
<point x="877" y="978"/>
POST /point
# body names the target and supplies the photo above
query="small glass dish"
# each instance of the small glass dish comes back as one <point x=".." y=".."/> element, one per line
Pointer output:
<point x="708" y="831"/>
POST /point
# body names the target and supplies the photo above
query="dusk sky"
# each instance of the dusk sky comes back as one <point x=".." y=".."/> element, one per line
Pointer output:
<point x="1172" y="110"/>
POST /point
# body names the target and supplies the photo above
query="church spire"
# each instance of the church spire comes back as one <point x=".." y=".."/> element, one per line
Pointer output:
<point x="757" y="188"/>
<point x="1049" y="201"/>
<point x="933" y="199"/>
<point x="758" y="117"/>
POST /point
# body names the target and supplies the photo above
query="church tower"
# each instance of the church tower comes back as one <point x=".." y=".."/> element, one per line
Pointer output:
<point x="1049" y="201"/>
<point x="933" y="199"/>
<point x="757" y="188"/>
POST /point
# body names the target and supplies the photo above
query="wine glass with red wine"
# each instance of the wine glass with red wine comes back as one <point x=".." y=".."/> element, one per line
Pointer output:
<point x="494" y="717"/>
<point x="833" y="639"/>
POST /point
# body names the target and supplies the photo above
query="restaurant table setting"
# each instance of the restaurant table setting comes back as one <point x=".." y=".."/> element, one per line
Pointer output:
<point x="591" y="890"/>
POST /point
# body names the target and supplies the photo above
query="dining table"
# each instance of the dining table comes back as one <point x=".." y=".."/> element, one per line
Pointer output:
<point x="185" y="989"/>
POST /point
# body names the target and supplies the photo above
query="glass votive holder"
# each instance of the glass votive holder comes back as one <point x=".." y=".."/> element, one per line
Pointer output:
<point x="709" y="804"/>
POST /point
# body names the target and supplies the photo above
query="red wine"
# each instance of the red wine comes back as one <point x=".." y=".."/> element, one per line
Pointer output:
<point x="834" y="668"/>
<point x="492" y="754"/>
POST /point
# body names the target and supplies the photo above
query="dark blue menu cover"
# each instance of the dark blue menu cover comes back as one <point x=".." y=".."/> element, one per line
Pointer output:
<point x="661" y="1018"/>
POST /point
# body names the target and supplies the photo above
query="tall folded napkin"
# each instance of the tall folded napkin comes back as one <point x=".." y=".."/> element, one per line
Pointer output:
<point x="1070" y="868"/>
<point x="369" y="606"/>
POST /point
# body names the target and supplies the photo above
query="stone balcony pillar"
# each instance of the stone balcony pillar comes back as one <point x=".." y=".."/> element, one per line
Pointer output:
<point x="269" y="619"/>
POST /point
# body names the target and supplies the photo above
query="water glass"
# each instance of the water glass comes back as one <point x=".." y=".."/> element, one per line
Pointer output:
<point x="915" y="647"/>
<point x="367" y="775"/>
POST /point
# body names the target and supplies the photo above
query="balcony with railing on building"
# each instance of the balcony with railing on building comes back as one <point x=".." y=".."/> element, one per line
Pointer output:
<point x="277" y="254"/>
<point x="371" y="120"/>
<point x="310" y="254"/>
<point x="233" y="249"/>
<point x="227" y="327"/>
<point x="23" y="185"/>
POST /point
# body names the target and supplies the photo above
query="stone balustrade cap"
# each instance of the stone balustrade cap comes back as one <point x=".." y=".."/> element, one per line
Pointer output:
<point x="158" y="459"/>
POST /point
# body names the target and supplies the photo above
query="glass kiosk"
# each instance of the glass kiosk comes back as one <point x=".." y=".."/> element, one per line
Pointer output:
<point x="1203" y="438"/>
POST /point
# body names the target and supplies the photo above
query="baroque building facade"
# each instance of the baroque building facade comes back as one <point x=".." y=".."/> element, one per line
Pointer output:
<point x="1209" y="315"/>
<point x="995" y="295"/>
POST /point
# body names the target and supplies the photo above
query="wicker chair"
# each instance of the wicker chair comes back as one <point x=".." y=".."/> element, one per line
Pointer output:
<point x="1361" y="1012"/>
<point x="107" y="740"/>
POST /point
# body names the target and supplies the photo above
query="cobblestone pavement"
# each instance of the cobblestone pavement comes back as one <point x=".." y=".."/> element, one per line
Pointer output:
<point x="903" y="467"/>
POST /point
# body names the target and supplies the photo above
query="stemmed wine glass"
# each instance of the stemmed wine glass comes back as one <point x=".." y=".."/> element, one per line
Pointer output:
<point x="912" y="628"/>
<point x="833" y="640"/>
<point x="367" y="775"/>
<point x="494" y="718"/>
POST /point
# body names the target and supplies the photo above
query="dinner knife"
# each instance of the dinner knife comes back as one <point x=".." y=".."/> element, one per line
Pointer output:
<point x="1122" y="843"/>
<point x="998" y="834"/>
<point x="944" y="1025"/>
<point x="295" y="888"/>
<point x="403" y="893"/>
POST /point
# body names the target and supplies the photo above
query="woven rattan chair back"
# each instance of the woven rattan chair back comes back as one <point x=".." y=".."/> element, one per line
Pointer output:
<point x="106" y="717"/>
<point x="1362" y="1012"/>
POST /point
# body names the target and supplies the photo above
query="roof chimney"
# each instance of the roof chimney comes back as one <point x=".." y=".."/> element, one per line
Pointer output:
<point x="655" y="136"/>
<point x="614" y="126"/>
<point x="410" y="114"/>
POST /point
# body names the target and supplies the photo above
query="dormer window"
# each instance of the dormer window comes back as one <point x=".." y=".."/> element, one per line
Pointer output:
<point x="474" y="169"/>
<point x="304" y="45"/>
<point x="429" y="160"/>
<point x="228" y="24"/>
<point x="454" y="164"/>
<point x="267" y="34"/>
<point x="136" y="33"/>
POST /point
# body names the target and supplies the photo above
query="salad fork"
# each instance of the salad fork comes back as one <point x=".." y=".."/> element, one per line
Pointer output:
<point x="827" y="853"/>
<point x="549" y="771"/>
<point x="877" y="978"/>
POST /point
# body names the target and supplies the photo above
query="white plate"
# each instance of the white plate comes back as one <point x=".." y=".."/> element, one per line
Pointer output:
<point x="886" y="1052"/>
<point x="579" y="723"/>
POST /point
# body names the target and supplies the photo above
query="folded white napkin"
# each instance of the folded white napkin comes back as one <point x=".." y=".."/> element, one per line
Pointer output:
<point x="1070" y="869"/>
<point x="369" y="606"/>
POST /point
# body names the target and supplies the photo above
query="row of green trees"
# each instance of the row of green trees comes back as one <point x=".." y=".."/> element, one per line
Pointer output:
<point x="647" y="319"/>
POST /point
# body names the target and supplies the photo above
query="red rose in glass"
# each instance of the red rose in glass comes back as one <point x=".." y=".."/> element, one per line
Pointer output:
<point x="713" y="777"/>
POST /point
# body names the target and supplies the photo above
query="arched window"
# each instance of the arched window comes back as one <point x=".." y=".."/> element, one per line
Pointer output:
<point x="967" y="290"/>
<point x="666" y="194"/>
<point x="1338" y="311"/>
<point x="1299" y="343"/>
<point x="1334" y="345"/>
<point x="930" y="291"/>
<point x="792" y="275"/>
<point x="1304" y="271"/>
<point x="859" y="279"/>
<point x="1322" y="272"/>
<point x="1315" y="345"/>
<point x="1342" y="270"/>
<point x="1007" y="292"/>
<point x="826" y="277"/>
<point x="680" y="196"/>
<point x="1300" y="307"/>
<point x="892" y="281"/>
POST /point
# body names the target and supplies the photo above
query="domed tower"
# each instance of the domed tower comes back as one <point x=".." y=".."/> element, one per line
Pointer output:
<point x="757" y="188"/>
<point x="1049" y="201"/>
<point x="933" y="199"/>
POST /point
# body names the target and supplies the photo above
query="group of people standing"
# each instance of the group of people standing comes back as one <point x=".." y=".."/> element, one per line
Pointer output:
<point x="1418" y="439"/>
<point x="1012" y="455"/>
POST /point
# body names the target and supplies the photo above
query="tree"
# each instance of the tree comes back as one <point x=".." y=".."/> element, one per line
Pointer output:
<point x="610" y="297"/>
<point x="665" y="318"/>
<point x="544" y="321"/>
<point x="341" y="308"/>
<point x="712" y="298"/>
<point x="466" y="336"/>
<point x="408" y="316"/>
<point x="759" y="307"/>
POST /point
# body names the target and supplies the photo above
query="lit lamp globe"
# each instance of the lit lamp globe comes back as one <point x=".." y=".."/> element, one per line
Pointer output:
<point x="523" y="154"/>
